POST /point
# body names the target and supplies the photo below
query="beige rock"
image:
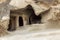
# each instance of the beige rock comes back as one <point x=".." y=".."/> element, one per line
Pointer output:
<point x="39" y="7"/>
<point x="52" y="18"/>
<point x="3" y="31"/>
<point x="4" y="12"/>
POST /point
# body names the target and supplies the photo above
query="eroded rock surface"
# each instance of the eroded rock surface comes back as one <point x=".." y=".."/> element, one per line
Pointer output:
<point x="4" y="16"/>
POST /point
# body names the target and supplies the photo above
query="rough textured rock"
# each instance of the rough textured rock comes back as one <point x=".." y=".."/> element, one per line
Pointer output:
<point x="16" y="4"/>
<point x="38" y="7"/>
<point x="52" y="20"/>
<point x="3" y="31"/>
<point x="52" y="14"/>
<point x="4" y="16"/>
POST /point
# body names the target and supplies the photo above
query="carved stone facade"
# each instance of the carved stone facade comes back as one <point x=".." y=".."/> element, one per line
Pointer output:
<point x="34" y="12"/>
<point x="22" y="17"/>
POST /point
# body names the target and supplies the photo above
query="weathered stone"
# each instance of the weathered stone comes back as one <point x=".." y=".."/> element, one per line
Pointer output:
<point x="47" y="8"/>
<point x="3" y="31"/>
<point x="4" y="16"/>
<point x="52" y="16"/>
<point x="39" y="7"/>
<point x="25" y="13"/>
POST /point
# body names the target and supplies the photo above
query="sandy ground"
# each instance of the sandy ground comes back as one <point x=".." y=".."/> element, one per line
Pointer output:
<point x="33" y="32"/>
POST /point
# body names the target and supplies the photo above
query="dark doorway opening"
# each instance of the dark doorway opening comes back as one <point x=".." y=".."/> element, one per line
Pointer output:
<point x="29" y="21"/>
<point x="35" y="19"/>
<point x="20" y="21"/>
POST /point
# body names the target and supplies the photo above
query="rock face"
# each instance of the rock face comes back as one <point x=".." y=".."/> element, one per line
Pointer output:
<point x="43" y="7"/>
<point x="38" y="7"/>
<point x="52" y="18"/>
<point x="50" y="13"/>
<point x="27" y="15"/>
<point x="3" y="31"/>
<point x="4" y="16"/>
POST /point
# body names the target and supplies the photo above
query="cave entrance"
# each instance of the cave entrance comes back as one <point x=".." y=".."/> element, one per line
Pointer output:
<point x="20" y="21"/>
<point x="35" y="19"/>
